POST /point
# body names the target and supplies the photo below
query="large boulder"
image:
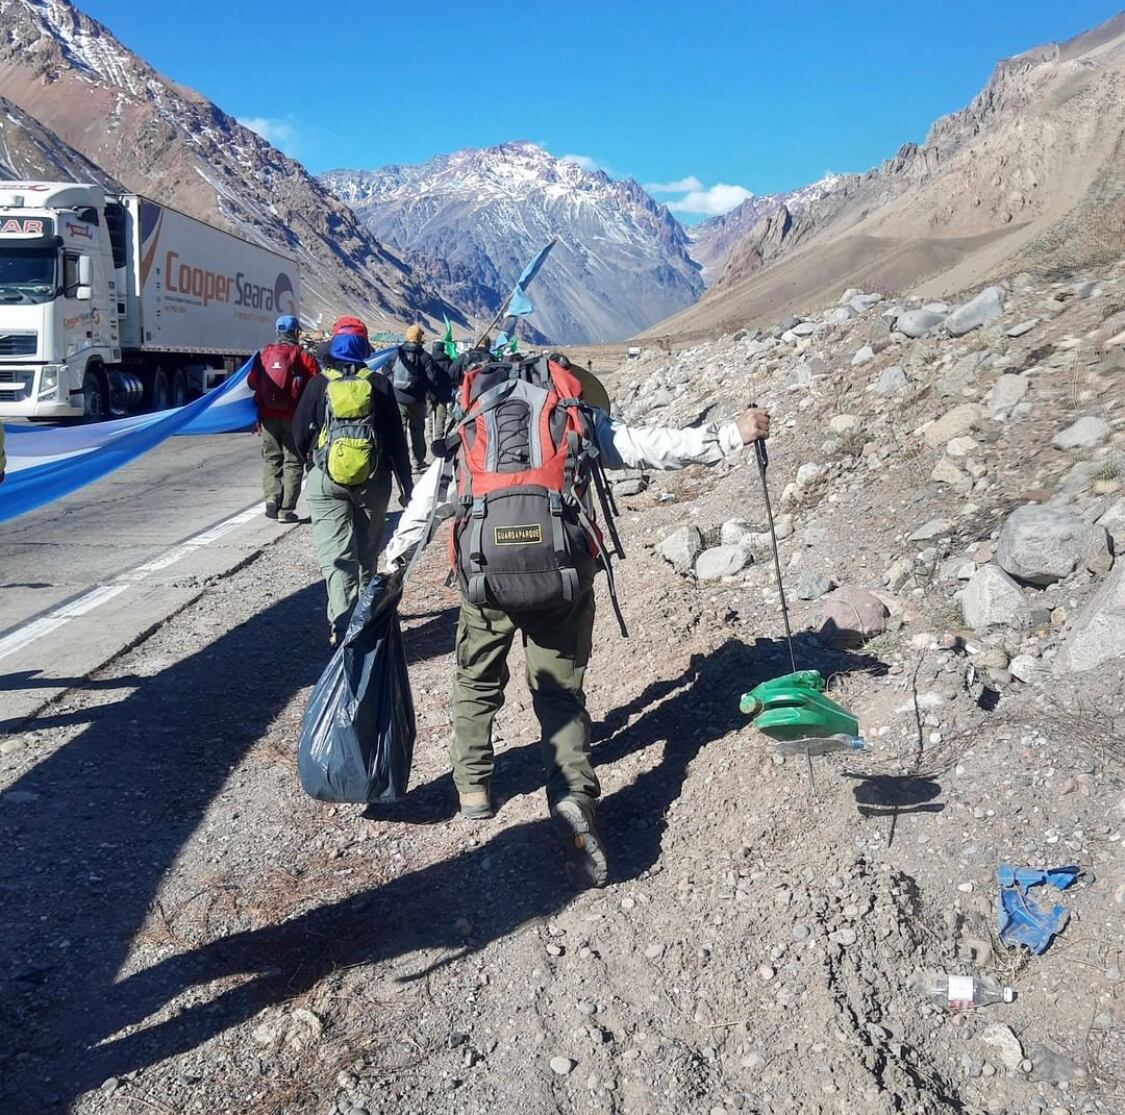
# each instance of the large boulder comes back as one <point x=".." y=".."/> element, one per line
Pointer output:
<point x="993" y="599"/>
<point x="1098" y="632"/>
<point x="986" y="307"/>
<point x="682" y="547"/>
<point x="1041" y="544"/>
<point x="852" y="616"/>
<point x="1085" y="433"/>
<point x="917" y="323"/>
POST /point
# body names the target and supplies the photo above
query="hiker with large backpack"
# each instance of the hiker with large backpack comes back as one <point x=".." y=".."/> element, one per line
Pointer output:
<point x="347" y="426"/>
<point x="278" y="377"/>
<point x="413" y="377"/>
<point x="521" y="481"/>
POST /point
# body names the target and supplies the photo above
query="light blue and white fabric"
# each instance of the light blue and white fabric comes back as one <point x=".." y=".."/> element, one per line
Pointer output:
<point x="45" y="464"/>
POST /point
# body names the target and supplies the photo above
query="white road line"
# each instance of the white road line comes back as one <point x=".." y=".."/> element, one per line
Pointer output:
<point x="102" y="594"/>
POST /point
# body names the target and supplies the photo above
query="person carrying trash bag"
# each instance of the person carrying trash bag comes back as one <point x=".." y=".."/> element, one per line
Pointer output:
<point x="347" y="425"/>
<point x="278" y="377"/>
<point x="522" y="453"/>
<point x="413" y="376"/>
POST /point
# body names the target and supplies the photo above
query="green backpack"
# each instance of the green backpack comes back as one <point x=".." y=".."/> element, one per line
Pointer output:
<point x="348" y="449"/>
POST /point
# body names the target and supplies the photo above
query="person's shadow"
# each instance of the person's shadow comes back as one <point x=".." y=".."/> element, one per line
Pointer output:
<point x="499" y="885"/>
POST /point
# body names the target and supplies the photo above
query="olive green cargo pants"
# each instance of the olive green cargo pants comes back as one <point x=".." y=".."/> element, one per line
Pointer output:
<point x="347" y="530"/>
<point x="557" y="650"/>
<point x="282" y="467"/>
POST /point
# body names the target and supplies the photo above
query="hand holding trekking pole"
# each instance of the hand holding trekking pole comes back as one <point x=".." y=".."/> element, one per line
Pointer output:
<point x="754" y="425"/>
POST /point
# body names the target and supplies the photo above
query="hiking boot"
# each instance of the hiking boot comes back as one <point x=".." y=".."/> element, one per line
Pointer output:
<point x="271" y="508"/>
<point x="287" y="516"/>
<point x="476" y="806"/>
<point x="584" y="856"/>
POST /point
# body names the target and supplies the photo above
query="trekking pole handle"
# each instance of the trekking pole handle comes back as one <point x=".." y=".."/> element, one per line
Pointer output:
<point x="760" y="446"/>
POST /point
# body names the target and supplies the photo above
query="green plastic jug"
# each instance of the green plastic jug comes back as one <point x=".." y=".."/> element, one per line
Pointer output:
<point x="794" y="707"/>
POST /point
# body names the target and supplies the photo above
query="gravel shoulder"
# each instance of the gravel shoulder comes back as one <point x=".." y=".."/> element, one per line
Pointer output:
<point x="185" y="931"/>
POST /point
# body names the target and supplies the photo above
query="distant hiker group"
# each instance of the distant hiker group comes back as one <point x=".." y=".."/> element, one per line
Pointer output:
<point x="520" y="446"/>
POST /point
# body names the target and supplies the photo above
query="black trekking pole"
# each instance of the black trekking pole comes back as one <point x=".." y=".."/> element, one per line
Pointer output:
<point x="763" y="461"/>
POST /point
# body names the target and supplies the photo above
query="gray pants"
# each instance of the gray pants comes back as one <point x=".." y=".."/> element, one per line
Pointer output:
<point x="282" y="467"/>
<point x="347" y="530"/>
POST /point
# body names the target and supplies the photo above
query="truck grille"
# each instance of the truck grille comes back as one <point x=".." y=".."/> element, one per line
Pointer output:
<point x="15" y="386"/>
<point x="18" y="344"/>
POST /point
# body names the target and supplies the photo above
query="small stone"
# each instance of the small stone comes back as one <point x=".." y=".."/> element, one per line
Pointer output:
<point x="844" y="937"/>
<point x="682" y="547"/>
<point x="11" y="746"/>
<point x="736" y="532"/>
<point x="1007" y="393"/>
<point x="917" y="323"/>
<point x="628" y="903"/>
<point x="462" y="927"/>
<point x="766" y="973"/>
<point x="984" y="308"/>
<point x="554" y="950"/>
<point x="843" y="424"/>
<point x="812" y="586"/>
<point x="1004" y="1041"/>
<point x="864" y="356"/>
<point x="957" y="422"/>
<point x="890" y="382"/>
<point x="1040" y="544"/>
<point x="935" y="528"/>
<point x="992" y="598"/>
<point x="721" y="561"/>
<point x="1023" y="327"/>
<point x="962" y="446"/>
<point x="563" y="1066"/>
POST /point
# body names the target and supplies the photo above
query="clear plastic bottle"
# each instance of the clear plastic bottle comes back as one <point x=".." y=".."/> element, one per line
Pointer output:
<point x="961" y="992"/>
<point x="820" y="745"/>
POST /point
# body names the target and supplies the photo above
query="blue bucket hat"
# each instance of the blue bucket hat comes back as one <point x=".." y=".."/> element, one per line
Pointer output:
<point x="287" y="323"/>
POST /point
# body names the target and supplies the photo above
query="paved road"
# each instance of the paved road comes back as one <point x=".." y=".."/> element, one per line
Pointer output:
<point x="86" y="577"/>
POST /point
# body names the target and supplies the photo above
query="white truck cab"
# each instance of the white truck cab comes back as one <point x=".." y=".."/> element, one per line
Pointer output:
<point x="58" y="295"/>
<point x="111" y="303"/>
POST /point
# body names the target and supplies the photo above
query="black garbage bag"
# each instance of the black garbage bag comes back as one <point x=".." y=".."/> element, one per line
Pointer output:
<point x="357" y="740"/>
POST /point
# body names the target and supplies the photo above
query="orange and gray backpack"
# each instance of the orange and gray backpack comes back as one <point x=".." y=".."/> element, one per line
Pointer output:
<point x="526" y="464"/>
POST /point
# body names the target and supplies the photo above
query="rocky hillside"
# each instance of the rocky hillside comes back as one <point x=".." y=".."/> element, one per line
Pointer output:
<point x="471" y="221"/>
<point x="70" y="74"/>
<point x="29" y="150"/>
<point x="1030" y="173"/>
<point x="946" y="503"/>
<point x="713" y="239"/>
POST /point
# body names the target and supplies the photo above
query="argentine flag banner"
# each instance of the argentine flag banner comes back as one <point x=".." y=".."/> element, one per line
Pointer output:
<point x="46" y="464"/>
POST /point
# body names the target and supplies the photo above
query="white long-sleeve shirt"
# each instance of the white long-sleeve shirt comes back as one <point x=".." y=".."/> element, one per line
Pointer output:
<point x="621" y="446"/>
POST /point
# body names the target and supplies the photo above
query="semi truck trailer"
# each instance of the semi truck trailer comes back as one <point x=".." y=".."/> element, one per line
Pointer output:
<point x="111" y="303"/>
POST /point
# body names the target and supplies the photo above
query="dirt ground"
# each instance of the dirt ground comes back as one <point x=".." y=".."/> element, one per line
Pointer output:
<point x="185" y="931"/>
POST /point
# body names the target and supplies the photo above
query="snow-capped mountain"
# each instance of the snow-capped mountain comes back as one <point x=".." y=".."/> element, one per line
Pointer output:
<point x="470" y="221"/>
<point x="70" y="74"/>
<point x="713" y="239"/>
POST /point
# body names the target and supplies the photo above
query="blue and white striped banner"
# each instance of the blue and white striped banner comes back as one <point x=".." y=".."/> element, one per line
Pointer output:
<point x="46" y="464"/>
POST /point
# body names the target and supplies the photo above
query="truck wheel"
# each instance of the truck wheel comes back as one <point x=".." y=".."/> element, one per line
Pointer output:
<point x="179" y="389"/>
<point x="95" y="396"/>
<point x="161" y="390"/>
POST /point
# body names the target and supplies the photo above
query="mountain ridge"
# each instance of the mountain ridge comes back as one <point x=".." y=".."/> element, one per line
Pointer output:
<point x="470" y="220"/>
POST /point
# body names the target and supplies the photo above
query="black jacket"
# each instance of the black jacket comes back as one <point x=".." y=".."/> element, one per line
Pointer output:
<point x="467" y="360"/>
<point x="442" y="379"/>
<point x="309" y="420"/>
<point x="421" y="364"/>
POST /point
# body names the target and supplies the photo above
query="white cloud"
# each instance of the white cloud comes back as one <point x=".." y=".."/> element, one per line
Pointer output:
<point x="283" y="134"/>
<point x="680" y="186"/>
<point x="712" y="201"/>
<point x="586" y="162"/>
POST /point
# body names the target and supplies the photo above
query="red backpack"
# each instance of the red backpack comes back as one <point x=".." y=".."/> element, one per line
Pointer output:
<point x="524" y="536"/>
<point x="280" y="378"/>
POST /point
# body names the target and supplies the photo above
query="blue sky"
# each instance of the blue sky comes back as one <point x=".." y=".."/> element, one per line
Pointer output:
<point x="746" y="96"/>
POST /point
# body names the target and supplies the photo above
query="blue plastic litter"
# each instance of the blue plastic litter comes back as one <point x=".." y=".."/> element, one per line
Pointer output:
<point x="1020" y="920"/>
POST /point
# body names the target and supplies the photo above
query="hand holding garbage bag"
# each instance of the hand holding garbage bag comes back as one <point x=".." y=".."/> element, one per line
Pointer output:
<point x="357" y="741"/>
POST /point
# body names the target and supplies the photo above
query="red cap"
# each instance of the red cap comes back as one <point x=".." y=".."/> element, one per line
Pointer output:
<point x="350" y="325"/>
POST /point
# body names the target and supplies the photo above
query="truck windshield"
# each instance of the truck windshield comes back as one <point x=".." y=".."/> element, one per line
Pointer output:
<point x="27" y="274"/>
